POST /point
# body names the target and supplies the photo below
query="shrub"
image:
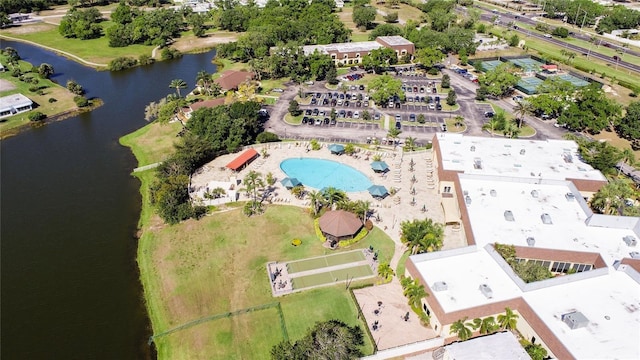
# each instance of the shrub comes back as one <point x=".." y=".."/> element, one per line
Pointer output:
<point x="36" y="116"/>
<point x="266" y="137"/>
<point x="363" y="232"/>
<point x="169" y="53"/>
<point x="16" y="72"/>
<point x="560" y="32"/>
<point x="145" y="59"/>
<point x="319" y="234"/>
<point x="315" y="145"/>
<point x="368" y="225"/>
<point x="52" y="100"/>
<point x="34" y="88"/>
<point x="122" y="63"/>
<point x="446" y="82"/>
<point x="81" y="101"/>
<point x="433" y="71"/>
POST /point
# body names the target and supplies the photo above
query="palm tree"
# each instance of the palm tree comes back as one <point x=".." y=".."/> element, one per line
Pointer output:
<point x="393" y="133"/>
<point x="316" y="199"/>
<point x="459" y="121"/>
<point x="410" y="143"/>
<point x="252" y="184"/>
<point x="511" y="130"/>
<point x="475" y="324"/>
<point x="385" y="271"/>
<point x="178" y="84"/>
<point x="460" y="329"/>
<point x="488" y="325"/>
<point x="415" y="292"/>
<point x="610" y="198"/>
<point x="204" y="81"/>
<point x="508" y="320"/>
<point x="628" y="156"/>
<point x="422" y="235"/>
<point x="522" y="109"/>
<point x="333" y="196"/>
<point x="491" y="125"/>
<point x="361" y="208"/>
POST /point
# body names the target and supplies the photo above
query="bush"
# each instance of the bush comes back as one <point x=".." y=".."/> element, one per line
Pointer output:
<point x="433" y="71"/>
<point x="36" y="116"/>
<point x="319" y="234"/>
<point x="122" y="63"/>
<point x="81" y="101"/>
<point x="266" y="137"/>
<point x="34" y="88"/>
<point x="315" y="145"/>
<point x="363" y="232"/>
<point x="560" y="32"/>
<point x="169" y="53"/>
<point x="368" y="225"/>
<point x="145" y="59"/>
<point x="446" y="82"/>
<point x="52" y="100"/>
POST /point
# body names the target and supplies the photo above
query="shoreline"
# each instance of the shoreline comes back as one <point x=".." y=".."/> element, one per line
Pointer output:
<point x="49" y="120"/>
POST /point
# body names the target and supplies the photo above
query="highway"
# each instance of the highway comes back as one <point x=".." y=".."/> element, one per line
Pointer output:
<point x="507" y="17"/>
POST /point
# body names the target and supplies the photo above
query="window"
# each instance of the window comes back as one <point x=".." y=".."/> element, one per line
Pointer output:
<point x="560" y="267"/>
<point x="358" y="55"/>
<point x="447" y="189"/>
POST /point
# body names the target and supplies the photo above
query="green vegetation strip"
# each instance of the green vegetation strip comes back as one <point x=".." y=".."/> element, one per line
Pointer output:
<point x="330" y="260"/>
<point x="224" y="315"/>
<point x="331" y="276"/>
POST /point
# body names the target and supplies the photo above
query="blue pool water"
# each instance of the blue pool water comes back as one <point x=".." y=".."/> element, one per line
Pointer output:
<point x="319" y="173"/>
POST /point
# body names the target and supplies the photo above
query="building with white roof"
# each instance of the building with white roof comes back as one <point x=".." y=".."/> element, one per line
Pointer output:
<point x="501" y="345"/>
<point x="591" y="307"/>
<point x="14" y="104"/>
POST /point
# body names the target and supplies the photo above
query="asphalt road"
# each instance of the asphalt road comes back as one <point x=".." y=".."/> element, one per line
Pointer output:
<point x="509" y="17"/>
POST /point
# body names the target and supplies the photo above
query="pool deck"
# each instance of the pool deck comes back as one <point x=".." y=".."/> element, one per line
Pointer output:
<point x="391" y="211"/>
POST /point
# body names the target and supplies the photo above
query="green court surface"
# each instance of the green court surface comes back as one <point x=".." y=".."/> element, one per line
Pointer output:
<point x="331" y="276"/>
<point x="325" y="261"/>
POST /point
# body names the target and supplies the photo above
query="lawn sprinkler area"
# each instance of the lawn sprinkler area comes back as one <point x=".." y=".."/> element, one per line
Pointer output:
<point x="318" y="271"/>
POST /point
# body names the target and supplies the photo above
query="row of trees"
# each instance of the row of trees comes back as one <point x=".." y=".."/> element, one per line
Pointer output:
<point x="332" y="339"/>
<point x="464" y="330"/>
<point x="579" y="12"/>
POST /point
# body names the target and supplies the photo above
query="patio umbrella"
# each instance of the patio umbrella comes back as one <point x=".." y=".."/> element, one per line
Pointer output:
<point x="290" y="182"/>
<point x="378" y="191"/>
<point x="336" y="148"/>
<point x="379" y="166"/>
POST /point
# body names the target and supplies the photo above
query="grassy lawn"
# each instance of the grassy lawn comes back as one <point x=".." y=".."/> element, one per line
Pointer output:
<point x="12" y="85"/>
<point x="152" y="143"/>
<point x="211" y="266"/>
<point x="294" y="120"/>
<point x="267" y="85"/>
<point x="405" y="12"/>
<point x="451" y="126"/>
<point x="197" y="261"/>
<point x="94" y="50"/>
<point x="402" y="263"/>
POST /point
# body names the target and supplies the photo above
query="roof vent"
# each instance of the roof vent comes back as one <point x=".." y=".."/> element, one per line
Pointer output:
<point x="629" y="240"/>
<point x="493" y="192"/>
<point x="522" y="151"/>
<point x="508" y="215"/>
<point x="575" y="320"/>
<point x="634" y="255"/>
<point x="473" y="148"/>
<point x="486" y="291"/>
<point x="567" y="157"/>
<point x="546" y="219"/>
<point x="531" y="241"/>
<point x="569" y="196"/>
<point x="440" y="286"/>
<point x="477" y="163"/>
<point x="467" y="200"/>
<point x="534" y="194"/>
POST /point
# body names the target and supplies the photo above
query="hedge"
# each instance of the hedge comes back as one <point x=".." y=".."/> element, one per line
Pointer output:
<point x="363" y="232"/>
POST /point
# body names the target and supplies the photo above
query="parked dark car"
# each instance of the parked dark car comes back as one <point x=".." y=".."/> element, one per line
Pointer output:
<point x="305" y="120"/>
<point x="398" y="125"/>
<point x="361" y="87"/>
<point x="307" y="112"/>
<point x="489" y="114"/>
<point x="326" y="121"/>
<point x="315" y="112"/>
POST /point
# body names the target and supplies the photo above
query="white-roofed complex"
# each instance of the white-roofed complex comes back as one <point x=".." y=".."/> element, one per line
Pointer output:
<point x="590" y="308"/>
<point x="14" y="104"/>
<point x="353" y="52"/>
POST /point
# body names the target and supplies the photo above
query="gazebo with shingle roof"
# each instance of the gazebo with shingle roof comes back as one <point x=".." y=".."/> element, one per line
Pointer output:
<point x="339" y="225"/>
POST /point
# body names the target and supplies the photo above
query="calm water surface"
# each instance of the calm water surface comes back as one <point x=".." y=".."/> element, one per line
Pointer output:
<point x="69" y="210"/>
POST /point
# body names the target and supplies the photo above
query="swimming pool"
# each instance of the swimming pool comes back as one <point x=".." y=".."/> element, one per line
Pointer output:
<point x="320" y="173"/>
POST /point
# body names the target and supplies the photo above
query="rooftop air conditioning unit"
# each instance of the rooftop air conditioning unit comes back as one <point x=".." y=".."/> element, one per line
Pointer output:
<point x="473" y="148"/>
<point x="467" y="200"/>
<point x="508" y="215"/>
<point x="569" y="196"/>
<point x="440" y="286"/>
<point x="534" y="194"/>
<point x="477" y="163"/>
<point x="575" y="320"/>
<point x="629" y="240"/>
<point x="546" y="219"/>
<point x="531" y="241"/>
<point x="486" y="291"/>
<point x="493" y="192"/>
<point x="634" y="255"/>
<point x="522" y="151"/>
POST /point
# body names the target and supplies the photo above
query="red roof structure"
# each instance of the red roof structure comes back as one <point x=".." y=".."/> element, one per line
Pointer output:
<point x="550" y="68"/>
<point x="339" y="224"/>
<point x="243" y="159"/>
<point x="230" y="79"/>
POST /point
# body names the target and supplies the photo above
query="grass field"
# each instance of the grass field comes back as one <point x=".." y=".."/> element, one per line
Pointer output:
<point x="331" y="276"/>
<point x="217" y="264"/>
<point x="10" y="85"/>
<point x="324" y="261"/>
<point x="154" y="142"/>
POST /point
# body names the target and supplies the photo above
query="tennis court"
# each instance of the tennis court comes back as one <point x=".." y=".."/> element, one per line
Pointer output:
<point x="575" y="81"/>
<point x="528" y="85"/>
<point x="331" y="276"/>
<point x="527" y="64"/>
<point x="325" y="261"/>
<point x="489" y="65"/>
